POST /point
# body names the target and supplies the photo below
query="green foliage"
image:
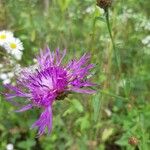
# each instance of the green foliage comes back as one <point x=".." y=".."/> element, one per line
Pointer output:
<point x="121" y="107"/>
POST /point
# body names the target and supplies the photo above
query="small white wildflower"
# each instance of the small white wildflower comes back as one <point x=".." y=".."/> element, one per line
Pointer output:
<point x="18" y="55"/>
<point x="122" y="83"/>
<point x="147" y="26"/>
<point x="34" y="60"/>
<point x="9" y="146"/>
<point x="4" y="36"/>
<point x="1" y="65"/>
<point x="14" y="46"/>
<point x="17" y="69"/>
<point x="108" y="112"/>
<point x="12" y="62"/>
<point x="90" y="9"/>
<point x="146" y="40"/>
<point x="6" y="81"/>
<point x="10" y="74"/>
<point x="3" y="76"/>
<point x="126" y="14"/>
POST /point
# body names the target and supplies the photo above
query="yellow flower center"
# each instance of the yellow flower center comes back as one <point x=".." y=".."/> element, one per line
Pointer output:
<point x="3" y="36"/>
<point x="13" y="45"/>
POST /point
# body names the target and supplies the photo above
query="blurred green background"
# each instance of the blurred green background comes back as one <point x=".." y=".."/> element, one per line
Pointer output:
<point x="118" y="116"/>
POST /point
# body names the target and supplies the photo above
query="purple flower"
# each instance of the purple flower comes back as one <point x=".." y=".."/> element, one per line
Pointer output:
<point x="50" y="81"/>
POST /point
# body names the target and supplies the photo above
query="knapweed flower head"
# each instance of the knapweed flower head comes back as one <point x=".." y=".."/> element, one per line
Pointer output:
<point x="49" y="81"/>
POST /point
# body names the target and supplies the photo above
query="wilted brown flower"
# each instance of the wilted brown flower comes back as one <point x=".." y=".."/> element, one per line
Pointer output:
<point x="133" y="141"/>
<point x="104" y="3"/>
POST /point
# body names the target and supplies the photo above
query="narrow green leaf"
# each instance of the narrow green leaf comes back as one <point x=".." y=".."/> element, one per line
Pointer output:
<point x="96" y="106"/>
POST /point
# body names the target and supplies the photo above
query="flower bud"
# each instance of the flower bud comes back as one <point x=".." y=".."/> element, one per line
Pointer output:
<point x="104" y="3"/>
<point x="133" y="141"/>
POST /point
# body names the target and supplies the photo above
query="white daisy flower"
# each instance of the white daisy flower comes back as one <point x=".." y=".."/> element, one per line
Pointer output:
<point x="14" y="46"/>
<point x="18" y="55"/>
<point x="4" y="36"/>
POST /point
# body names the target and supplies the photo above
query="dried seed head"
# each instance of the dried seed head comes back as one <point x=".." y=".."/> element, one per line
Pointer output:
<point x="133" y="141"/>
<point x="104" y="3"/>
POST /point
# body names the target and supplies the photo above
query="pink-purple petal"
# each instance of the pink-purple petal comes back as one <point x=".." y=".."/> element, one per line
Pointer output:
<point x="24" y="108"/>
<point x="45" y="121"/>
<point x="81" y="90"/>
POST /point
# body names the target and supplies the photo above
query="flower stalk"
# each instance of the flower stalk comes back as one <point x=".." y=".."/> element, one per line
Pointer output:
<point x="111" y="37"/>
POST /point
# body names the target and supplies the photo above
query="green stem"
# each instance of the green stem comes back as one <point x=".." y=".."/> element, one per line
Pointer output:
<point x="7" y="55"/>
<point x="1" y="53"/>
<point x="111" y="37"/>
<point x="113" y="95"/>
